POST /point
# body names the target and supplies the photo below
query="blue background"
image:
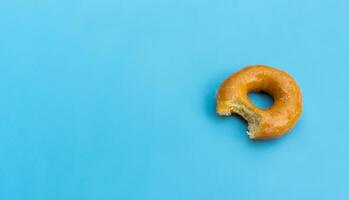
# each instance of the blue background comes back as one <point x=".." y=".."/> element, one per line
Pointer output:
<point x="116" y="99"/>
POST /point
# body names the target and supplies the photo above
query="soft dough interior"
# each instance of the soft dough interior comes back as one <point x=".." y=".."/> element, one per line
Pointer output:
<point x="252" y="118"/>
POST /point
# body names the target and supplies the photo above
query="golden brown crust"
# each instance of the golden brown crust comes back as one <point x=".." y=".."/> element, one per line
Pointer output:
<point x="232" y="97"/>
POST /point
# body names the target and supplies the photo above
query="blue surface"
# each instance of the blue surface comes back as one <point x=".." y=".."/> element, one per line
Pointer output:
<point x="115" y="99"/>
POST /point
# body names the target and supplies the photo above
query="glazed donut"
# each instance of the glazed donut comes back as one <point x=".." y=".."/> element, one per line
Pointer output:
<point x="232" y="97"/>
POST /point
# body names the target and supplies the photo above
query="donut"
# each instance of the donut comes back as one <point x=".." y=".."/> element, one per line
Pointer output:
<point x="232" y="98"/>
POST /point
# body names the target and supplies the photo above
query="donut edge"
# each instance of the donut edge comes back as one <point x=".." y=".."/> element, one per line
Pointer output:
<point x="227" y="108"/>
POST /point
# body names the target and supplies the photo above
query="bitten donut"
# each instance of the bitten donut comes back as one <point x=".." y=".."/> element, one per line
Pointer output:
<point x="232" y="97"/>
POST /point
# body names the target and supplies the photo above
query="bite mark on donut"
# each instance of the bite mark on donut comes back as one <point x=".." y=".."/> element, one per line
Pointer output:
<point x="253" y="119"/>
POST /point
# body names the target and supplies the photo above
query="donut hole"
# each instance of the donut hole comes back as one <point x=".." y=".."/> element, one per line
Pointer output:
<point x="261" y="99"/>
